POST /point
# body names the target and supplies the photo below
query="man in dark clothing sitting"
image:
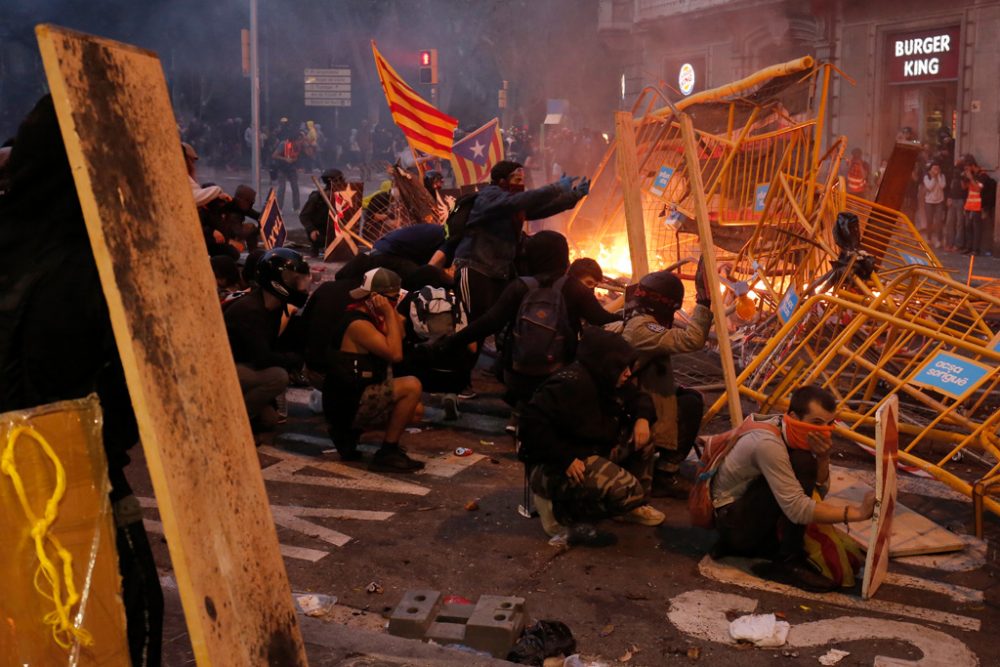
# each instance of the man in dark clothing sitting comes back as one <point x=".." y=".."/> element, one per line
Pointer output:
<point x="585" y="439"/>
<point x="487" y="253"/>
<point x="253" y="323"/>
<point x="315" y="214"/>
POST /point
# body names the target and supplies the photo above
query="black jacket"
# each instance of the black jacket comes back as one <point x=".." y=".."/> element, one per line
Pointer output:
<point x="493" y="232"/>
<point x="578" y="412"/>
<point x="315" y="214"/>
<point x="253" y="334"/>
<point x="322" y="313"/>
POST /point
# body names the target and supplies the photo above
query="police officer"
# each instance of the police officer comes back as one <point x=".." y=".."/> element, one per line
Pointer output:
<point x="648" y="327"/>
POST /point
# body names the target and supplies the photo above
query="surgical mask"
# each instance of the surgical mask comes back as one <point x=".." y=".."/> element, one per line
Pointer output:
<point x="797" y="432"/>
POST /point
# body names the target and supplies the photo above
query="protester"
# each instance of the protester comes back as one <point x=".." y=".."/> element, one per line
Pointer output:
<point x="285" y="160"/>
<point x="547" y="258"/>
<point x="934" y="187"/>
<point x="858" y="174"/>
<point x="584" y="439"/>
<point x="315" y="215"/>
<point x="973" y="209"/>
<point x="954" y="224"/>
<point x="487" y="253"/>
<point x="56" y="343"/>
<point x="253" y="323"/>
<point x="587" y="271"/>
<point x="649" y="328"/>
<point x="359" y="389"/>
<point x="762" y="492"/>
<point x="434" y="182"/>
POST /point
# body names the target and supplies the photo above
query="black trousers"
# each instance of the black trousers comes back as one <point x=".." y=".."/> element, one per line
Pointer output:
<point x="754" y="525"/>
<point x="478" y="291"/>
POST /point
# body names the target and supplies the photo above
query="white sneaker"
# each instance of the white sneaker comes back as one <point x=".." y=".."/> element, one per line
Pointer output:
<point x="645" y="515"/>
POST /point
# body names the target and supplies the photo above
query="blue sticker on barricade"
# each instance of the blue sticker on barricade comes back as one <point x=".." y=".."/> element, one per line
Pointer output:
<point x="951" y="374"/>
<point x="788" y="304"/>
<point x="660" y="184"/>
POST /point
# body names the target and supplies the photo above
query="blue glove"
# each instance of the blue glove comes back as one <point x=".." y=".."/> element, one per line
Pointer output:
<point x="566" y="182"/>
<point x="582" y="188"/>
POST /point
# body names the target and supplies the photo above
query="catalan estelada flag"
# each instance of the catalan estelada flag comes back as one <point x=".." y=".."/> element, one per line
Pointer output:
<point x="474" y="156"/>
<point x="426" y="129"/>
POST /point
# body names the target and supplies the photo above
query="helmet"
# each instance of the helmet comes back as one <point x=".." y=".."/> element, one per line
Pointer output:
<point x="285" y="274"/>
<point x="332" y="176"/>
<point x="658" y="294"/>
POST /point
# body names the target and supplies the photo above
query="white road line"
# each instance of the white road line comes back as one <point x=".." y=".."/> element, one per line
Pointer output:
<point x="300" y="553"/>
<point x="335" y="513"/>
<point x="954" y="591"/>
<point x="446" y="466"/>
<point x="347" y="477"/>
<point x="727" y="574"/>
<point x="703" y="614"/>
<point x="308" y="528"/>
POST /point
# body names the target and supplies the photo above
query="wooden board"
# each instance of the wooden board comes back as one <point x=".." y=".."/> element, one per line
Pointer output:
<point x="121" y="137"/>
<point x="886" y="453"/>
<point x="913" y="534"/>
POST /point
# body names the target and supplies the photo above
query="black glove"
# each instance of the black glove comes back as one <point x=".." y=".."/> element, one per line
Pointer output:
<point x="582" y="188"/>
<point x="566" y="182"/>
<point x="702" y="295"/>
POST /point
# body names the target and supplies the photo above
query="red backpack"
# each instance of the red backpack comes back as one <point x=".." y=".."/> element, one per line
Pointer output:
<point x="716" y="448"/>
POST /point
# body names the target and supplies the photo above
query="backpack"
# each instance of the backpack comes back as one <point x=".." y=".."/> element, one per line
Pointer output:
<point x="541" y="336"/>
<point x="435" y="312"/>
<point x="716" y="448"/>
<point x="458" y="216"/>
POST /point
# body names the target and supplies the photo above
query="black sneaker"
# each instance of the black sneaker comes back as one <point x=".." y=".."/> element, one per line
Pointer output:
<point x="670" y="486"/>
<point x="346" y="444"/>
<point x="467" y="394"/>
<point x="587" y="535"/>
<point x="797" y="572"/>
<point x="450" y="405"/>
<point x="393" y="459"/>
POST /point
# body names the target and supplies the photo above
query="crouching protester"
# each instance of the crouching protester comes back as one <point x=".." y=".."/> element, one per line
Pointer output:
<point x="762" y="492"/>
<point x="253" y="323"/>
<point x="649" y="328"/>
<point x="359" y="389"/>
<point x="585" y="439"/>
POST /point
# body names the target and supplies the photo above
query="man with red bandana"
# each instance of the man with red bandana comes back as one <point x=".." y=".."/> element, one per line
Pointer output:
<point x="762" y="492"/>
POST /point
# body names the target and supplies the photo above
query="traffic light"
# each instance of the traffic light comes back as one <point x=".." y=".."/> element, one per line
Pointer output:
<point x="429" y="66"/>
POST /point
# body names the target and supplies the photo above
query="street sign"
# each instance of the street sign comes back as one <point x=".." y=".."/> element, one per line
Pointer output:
<point x="951" y="374"/>
<point x="329" y="87"/>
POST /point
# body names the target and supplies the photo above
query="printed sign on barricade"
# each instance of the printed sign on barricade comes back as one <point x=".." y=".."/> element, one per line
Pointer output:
<point x="886" y="453"/>
<point x="788" y="304"/>
<point x="951" y="374"/>
<point x="272" y="227"/>
<point x="659" y="185"/>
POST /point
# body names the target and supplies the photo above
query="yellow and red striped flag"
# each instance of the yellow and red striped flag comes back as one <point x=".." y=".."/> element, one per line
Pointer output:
<point x="426" y="129"/>
<point x="474" y="156"/>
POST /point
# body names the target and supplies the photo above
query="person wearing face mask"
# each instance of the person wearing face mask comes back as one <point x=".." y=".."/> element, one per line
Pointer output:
<point x="762" y="492"/>
<point x="254" y="324"/>
<point x="585" y="442"/>
<point x="648" y="326"/>
<point x="486" y="256"/>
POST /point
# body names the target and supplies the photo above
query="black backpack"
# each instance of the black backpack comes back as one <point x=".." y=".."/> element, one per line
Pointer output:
<point x="458" y="216"/>
<point x="542" y="337"/>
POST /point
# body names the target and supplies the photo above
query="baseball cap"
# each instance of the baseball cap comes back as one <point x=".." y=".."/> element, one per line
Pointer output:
<point x="378" y="281"/>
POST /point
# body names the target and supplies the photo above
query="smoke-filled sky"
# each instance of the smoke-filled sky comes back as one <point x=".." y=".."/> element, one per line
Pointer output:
<point x="544" y="48"/>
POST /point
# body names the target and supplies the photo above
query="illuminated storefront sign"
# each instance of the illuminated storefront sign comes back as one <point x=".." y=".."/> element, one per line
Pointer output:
<point x="686" y="78"/>
<point x="927" y="55"/>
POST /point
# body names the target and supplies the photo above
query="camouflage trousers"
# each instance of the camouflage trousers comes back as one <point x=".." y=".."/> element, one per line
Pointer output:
<point x="610" y="487"/>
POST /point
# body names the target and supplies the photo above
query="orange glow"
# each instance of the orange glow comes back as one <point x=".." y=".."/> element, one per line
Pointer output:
<point x="425" y="58"/>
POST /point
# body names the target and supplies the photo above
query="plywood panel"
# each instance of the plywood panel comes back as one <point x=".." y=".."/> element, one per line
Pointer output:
<point x="121" y="136"/>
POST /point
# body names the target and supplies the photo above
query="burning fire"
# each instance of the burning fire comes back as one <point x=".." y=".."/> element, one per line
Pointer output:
<point x="614" y="259"/>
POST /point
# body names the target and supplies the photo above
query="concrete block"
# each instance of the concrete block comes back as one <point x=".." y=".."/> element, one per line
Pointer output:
<point x="495" y="624"/>
<point x="415" y="613"/>
<point x="446" y="633"/>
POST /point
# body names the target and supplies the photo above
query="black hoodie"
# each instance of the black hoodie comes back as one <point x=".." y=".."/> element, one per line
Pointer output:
<point x="579" y="412"/>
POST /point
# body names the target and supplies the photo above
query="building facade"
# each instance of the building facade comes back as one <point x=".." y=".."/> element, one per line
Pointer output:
<point x="915" y="66"/>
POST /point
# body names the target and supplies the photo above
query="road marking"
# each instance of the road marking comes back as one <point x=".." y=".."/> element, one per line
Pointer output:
<point x="703" y="614"/>
<point x="954" y="591"/>
<point x="300" y="553"/>
<point x="446" y="466"/>
<point x="728" y="574"/>
<point x="346" y="477"/>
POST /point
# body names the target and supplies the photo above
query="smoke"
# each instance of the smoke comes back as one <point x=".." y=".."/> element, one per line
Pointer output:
<point x="544" y="49"/>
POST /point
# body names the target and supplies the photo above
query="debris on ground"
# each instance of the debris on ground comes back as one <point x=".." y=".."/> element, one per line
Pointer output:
<point x="629" y="653"/>
<point x="606" y="630"/>
<point x="541" y="640"/>
<point x="763" y="630"/>
<point x="694" y="652"/>
<point x="315" y="604"/>
<point x="374" y="587"/>
<point x="463" y="451"/>
<point x="471" y="506"/>
<point x="833" y="656"/>
<point x="486" y="442"/>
